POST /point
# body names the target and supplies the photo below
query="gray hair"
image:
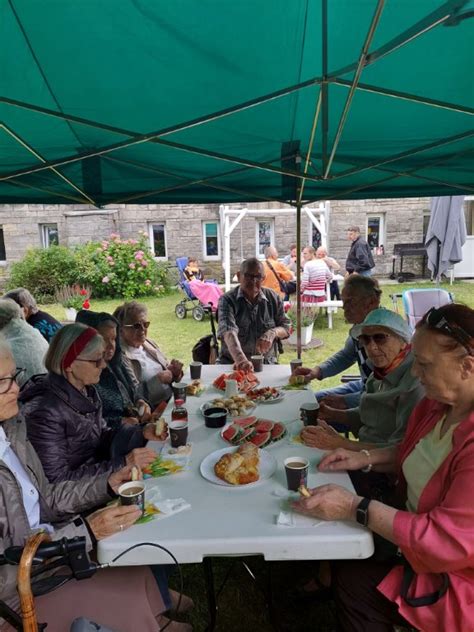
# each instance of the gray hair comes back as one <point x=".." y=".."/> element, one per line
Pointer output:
<point x="62" y="341"/>
<point x="24" y="298"/>
<point x="124" y="313"/>
<point x="365" y="286"/>
<point x="8" y="311"/>
<point x="251" y="263"/>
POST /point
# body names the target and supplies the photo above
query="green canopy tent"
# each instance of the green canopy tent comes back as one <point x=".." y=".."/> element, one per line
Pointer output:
<point x="147" y="101"/>
<point x="115" y="101"/>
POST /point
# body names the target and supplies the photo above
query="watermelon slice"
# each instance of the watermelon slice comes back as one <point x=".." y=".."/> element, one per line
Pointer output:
<point x="264" y="425"/>
<point x="246" y="435"/>
<point x="261" y="439"/>
<point x="232" y="434"/>
<point x="245" y="422"/>
<point x="278" y="431"/>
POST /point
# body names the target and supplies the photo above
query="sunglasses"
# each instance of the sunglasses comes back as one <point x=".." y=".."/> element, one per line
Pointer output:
<point x="97" y="362"/>
<point x="378" y="339"/>
<point x="139" y="325"/>
<point x="253" y="277"/>
<point x="434" y="319"/>
<point x="7" y="382"/>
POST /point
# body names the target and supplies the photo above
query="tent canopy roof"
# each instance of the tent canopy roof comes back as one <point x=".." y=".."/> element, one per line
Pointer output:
<point x="147" y="101"/>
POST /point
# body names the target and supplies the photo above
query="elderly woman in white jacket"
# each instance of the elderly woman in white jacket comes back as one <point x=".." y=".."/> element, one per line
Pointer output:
<point x="27" y="344"/>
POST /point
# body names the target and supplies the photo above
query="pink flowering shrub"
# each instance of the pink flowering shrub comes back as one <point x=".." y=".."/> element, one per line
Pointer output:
<point x="120" y="268"/>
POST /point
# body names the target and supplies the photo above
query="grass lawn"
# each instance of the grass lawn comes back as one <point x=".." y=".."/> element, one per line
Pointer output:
<point x="242" y="604"/>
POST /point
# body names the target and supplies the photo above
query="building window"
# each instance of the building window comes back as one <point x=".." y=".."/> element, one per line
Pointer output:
<point x="3" y="256"/>
<point x="376" y="232"/>
<point x="49" y="235"/>
<point x="469" y="215"/>
<point x="211" y="241"/>
<point x="314" y="235"/>
<point x="158" y="240"/>
<point x="264" y="236"/>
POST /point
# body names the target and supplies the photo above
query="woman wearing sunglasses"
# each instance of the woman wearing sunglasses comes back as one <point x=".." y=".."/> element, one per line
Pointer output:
<point x="391" y="392"/>
<point x="430" y="584"/>
<point x="152" y="370"/>
<point x="63" y="412"/>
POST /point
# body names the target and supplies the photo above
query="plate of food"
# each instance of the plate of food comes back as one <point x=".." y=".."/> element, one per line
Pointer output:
<point x="237" y="405"/>
<point x="296" y="383"/>
<point x="259" y="432"/>
<point x="266" y="395"/>
<point x="242" y="467"/>
<point x="246" y="380"/>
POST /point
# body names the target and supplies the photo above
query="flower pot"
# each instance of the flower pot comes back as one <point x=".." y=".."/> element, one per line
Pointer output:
<point x="71" y="313"/>
<point x="306" y="335"/>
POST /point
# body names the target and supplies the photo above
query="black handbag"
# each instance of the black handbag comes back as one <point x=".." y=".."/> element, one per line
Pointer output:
<point x="287" y="287"/>
<point x="206" y="349"/>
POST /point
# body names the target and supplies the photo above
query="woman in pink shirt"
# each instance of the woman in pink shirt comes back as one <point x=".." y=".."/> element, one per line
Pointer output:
<point x="429" y="585"/>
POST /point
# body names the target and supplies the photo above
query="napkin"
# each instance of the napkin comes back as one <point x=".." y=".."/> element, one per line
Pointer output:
<point x="165" y="506"/>
<point x="293" y="519"/>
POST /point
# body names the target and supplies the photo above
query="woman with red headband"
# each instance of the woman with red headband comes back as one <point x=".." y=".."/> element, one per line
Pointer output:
<point x="64" y="413"/>
<point x="428" y="583"/>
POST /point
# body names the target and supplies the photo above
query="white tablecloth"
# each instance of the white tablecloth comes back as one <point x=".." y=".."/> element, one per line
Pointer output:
<point x="239" y="521"/>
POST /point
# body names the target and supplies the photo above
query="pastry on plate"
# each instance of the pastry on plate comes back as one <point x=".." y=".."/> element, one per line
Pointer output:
<point x="240" y="467"/>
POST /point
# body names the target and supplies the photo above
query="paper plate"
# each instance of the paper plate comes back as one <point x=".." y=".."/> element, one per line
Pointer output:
<point x="267" y="468"/>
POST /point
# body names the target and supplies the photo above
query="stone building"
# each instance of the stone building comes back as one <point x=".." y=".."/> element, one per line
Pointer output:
<point x="177" y="230"/>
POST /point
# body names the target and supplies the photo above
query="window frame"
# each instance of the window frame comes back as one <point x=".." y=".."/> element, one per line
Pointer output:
<point x="44" y="234"/>
<point x="151" y="240"/>
<point x="260" y="220"/>
<point x="205" y="256"/>
<point x="382" y="230"/>
<point x="310" y="234"/>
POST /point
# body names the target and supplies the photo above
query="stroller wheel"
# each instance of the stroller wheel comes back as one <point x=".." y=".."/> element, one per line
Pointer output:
<point x="180" y="311"/>
<point x="198" y="313"/>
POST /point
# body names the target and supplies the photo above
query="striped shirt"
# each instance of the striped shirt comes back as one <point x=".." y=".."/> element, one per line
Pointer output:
<point x="315" y="276"/>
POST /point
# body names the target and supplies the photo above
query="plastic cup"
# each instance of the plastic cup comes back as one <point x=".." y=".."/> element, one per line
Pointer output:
<point x="295" y="364"/>
<point x="178" y="433"/>
<point x="309" y="413"/>
<point x="296" y="469"/>
<point x="231" y="388"/>
<point x="179" y="391"/>
<point x="195" y="369"/>
<point x="257" y="361"/>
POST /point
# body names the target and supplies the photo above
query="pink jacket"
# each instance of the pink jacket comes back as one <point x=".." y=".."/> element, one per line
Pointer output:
<point x="440" y="537"/>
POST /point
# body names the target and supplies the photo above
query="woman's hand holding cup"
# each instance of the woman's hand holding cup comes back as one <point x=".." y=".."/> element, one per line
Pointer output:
<point x="110" y="520"/>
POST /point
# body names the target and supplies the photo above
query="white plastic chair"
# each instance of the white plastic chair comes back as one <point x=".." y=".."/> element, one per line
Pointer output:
<point x="417" y="302"/>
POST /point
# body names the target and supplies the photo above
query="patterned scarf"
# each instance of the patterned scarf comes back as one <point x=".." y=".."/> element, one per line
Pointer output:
<point x="381" y="373"/>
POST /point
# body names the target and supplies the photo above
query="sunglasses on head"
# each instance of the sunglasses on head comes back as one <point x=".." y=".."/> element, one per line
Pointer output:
<point x="379" y="339"/>
<point x="139" y="325"/>
<point x="434" y="319"/>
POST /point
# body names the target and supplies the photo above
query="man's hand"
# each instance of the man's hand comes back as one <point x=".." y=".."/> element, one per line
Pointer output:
<point x="329" y="502"/>
<point x="328" y="413"/>
<point x="110" y="520"/>
<point x="244" y="365"/>
<point x="323" y="437"/>
<point x="341" y="460"/>
<point x="149" y="432"/>
<point x="265" y="342"/>
<point x="165" y="377"/>
<point x="141" y="457"/>
<point x="335" y="401"/>
<point x="309" y="374"/>
<point x="176" y="368"/>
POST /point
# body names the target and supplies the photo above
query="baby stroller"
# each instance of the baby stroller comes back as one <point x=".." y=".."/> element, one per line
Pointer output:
<point x="189" y="303"/>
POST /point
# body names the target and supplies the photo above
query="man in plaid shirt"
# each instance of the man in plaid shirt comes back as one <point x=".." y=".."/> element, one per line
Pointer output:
<point x="251" y="319"/>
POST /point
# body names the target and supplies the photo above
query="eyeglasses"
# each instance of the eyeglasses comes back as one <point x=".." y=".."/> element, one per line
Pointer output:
<point x="434" y="319"/>
<point x="97" y="362"/>
<point x="253" y="277"/>
<point x="139" y="325"/>
<point x="7" y="382"/>
<point x="378" y="339"/>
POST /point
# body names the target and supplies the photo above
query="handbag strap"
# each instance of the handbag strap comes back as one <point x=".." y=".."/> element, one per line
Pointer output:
<point x="425" y="600"/>
<point x="280" y="282"/>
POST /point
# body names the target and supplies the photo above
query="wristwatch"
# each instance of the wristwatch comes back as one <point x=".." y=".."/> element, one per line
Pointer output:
<point x="362" y="512"/>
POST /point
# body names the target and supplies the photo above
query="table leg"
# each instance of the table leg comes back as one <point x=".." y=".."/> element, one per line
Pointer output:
<point x="211" y="594"/>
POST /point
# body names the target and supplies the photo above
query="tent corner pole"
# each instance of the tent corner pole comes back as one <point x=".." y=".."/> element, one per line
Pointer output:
<point x="298" y="279"/>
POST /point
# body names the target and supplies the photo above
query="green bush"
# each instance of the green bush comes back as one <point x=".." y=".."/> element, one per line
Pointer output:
<point x="42" y="270"/>
<point x="120" y="268"/>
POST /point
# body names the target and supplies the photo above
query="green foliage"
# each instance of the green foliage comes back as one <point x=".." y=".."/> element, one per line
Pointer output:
<point x="42" y="270"/>
<point x="113" y="268"/>
<point x="120" y="268"/>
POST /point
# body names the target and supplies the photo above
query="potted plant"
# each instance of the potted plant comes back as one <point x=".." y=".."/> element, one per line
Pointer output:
<point x="73" y="298"/>
<point x="308" y="316"/>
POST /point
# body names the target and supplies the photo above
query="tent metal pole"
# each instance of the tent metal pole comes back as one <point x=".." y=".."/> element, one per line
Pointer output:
<point x="405" y="96"/>
<point x="324" y="86"/>
<point x="310" y="147"/>
<point x="406" y="154"/>
<point x="360" y="67"/>
<point x="39" y="157"/>
<point x="298" y="280"/>
<point x="437" y="17"/>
